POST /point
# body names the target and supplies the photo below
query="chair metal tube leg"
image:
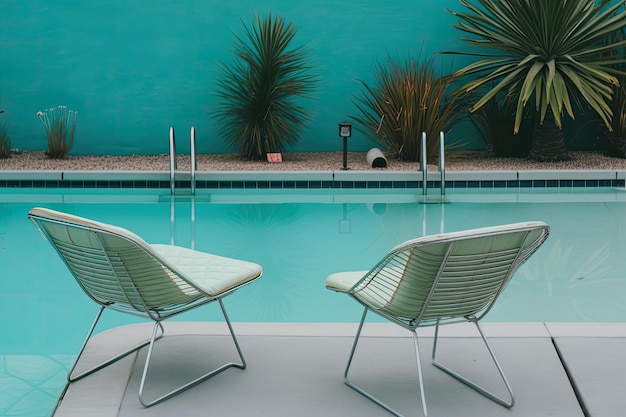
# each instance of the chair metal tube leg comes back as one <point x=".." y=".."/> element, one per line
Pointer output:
<point x="82" y="349"/>
<point x="242" y="365"/>
<point x="194" y="382"/>
<point x="506" y="403"/>
<point x="365" y="393"/>
<point x="71" y="378"/>
<point x="356" y="340"/>
<point x="420" y="376"/>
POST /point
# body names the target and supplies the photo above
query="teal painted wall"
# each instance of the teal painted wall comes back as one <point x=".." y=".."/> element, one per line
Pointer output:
<point x="133" y="68"/>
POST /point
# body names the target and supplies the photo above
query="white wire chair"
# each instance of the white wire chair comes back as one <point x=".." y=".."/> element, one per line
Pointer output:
<point x="120" y="271"/>
<point x="442" y="279"/>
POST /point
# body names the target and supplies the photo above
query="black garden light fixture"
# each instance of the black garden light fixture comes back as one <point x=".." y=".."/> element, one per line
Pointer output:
<point x="345" y="131"/>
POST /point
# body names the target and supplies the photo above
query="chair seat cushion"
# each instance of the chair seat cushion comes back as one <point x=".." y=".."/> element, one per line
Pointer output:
<point x="343" y="281"/>
<point x="212" y="274"/>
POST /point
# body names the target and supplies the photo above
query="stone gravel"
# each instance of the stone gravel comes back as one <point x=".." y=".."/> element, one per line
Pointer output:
<point x="300" y="161"/>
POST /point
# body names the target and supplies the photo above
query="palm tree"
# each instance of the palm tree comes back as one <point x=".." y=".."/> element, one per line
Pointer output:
<point x="258" y="109"/>
<point x="551" y="54"/>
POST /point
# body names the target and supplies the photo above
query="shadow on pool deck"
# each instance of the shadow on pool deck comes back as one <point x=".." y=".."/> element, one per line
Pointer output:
<point x="296" y="369"/>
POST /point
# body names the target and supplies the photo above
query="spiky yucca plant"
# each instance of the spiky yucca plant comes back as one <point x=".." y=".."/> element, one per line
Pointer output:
<point x="547" y="54"/>
<point x="407" y="98"/>
<point x="258" y="109"/>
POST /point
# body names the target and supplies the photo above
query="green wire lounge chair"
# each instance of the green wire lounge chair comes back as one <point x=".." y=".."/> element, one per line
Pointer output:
<point x="121" y="272"/>
<point x="442" y="279"/>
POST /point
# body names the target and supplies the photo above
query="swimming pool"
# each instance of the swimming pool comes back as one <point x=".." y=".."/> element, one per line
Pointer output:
<point x="299" y="238"/>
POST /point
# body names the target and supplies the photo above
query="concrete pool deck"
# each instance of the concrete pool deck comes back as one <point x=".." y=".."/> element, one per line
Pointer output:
<point x="296" y="369"/>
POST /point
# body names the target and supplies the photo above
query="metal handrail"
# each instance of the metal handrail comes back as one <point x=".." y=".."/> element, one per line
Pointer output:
<point x="172" y="160"/>
<point x="424" y="163"/>
<point x="192" y="157"/>
<point x="442" y="165"/>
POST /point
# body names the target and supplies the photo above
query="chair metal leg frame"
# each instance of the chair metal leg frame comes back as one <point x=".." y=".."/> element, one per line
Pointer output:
<point x="371" y="397"/>
<point x="71" y="378"/>
<point x="478" y="388"/>
<point x="196" y="381"/>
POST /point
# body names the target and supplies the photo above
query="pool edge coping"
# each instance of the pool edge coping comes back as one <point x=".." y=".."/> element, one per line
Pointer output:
<point x="314" y="179"/>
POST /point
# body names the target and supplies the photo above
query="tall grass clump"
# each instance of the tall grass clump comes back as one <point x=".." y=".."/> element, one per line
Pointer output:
<point x="60" y="125"/>
<point x="405" y="99"/>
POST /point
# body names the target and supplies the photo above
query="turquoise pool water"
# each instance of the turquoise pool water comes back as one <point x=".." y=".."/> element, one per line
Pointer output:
<point x="299" y="238"/>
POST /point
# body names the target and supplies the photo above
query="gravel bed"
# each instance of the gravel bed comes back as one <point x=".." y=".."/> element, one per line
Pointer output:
<point x="300" y="161"/>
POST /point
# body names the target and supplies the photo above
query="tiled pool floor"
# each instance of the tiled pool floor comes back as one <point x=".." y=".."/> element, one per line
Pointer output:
<point x="295" y="369"/>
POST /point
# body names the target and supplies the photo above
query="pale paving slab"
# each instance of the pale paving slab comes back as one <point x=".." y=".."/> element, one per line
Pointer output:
<point x="101" y="393"/>
<point x="297" y="370"/>
<point x="595" y="356"/>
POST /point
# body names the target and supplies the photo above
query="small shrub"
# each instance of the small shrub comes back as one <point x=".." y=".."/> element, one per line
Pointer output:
<point x="60" y="124"/>
<point x="406" y="99"/>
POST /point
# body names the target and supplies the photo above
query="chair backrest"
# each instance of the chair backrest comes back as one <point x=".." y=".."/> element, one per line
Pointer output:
<point x="448" y="277"/>
<point x="115" y="267"/>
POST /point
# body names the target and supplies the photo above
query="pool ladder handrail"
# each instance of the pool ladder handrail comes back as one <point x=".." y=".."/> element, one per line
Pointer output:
<point x="442" y="164"/>
<point x="192" y="158"/>
<point x="424" y="163"/>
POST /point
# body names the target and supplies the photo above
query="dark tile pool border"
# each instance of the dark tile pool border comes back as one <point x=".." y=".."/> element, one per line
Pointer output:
<point x="116" y="184"/>
<point x="316" y="180"/>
